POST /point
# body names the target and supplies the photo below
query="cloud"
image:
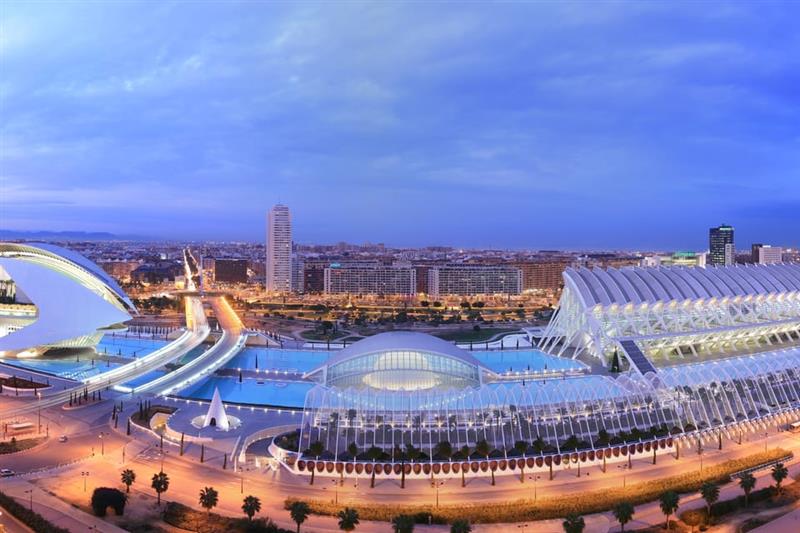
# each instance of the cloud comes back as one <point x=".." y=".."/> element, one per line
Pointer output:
<point x="197" y="117"/>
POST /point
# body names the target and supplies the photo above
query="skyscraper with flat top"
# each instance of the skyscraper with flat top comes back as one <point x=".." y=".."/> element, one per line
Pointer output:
<point x="721" y="249"/>
<point x="279" y="249"/>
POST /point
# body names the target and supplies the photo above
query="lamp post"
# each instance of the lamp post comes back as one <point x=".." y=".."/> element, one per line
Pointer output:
<point x="336" y="491"/>
<point x="534" y="478"/>
<point x="84" y="475"/>
<point x="436" y="483"/>
<point x="102" y="444"/>
<point x="31" y="500"/>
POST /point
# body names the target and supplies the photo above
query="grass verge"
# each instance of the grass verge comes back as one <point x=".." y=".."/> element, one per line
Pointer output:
<point x="183" y="517"/>
<point x="14" y="446"/>
<point x="556" y="507"/>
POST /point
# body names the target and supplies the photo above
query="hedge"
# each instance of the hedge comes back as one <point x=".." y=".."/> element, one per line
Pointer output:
<point x="32" y="519"/>
<point x="556" y="507"/>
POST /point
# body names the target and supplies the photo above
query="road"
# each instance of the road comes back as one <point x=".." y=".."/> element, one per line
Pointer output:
<point x="196" y="332"/>
<point x="231" y="341"/>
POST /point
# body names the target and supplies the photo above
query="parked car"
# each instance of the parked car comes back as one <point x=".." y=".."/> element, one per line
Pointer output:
<point x="62" y="438"/>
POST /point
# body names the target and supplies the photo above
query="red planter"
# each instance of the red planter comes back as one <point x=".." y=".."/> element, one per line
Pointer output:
<point x="329" y="466"/>
<point x="538" y="462"/>
<point x="436" y="468"/>
<point x="301" y="465"/>
<point x="349" y="467"/>
<point x="359" y="468"/>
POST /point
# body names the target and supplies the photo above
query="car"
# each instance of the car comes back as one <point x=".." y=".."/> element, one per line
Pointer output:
<point x="62" y="438"/>
<point x="5" y="472"/>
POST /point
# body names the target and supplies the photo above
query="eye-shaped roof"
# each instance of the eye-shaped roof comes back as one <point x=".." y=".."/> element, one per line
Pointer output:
<point x="72" y="295"/>
<point x="396" y="341"/>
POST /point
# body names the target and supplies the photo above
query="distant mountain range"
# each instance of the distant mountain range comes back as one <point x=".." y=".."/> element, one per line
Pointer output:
<point x="67" y="236"/>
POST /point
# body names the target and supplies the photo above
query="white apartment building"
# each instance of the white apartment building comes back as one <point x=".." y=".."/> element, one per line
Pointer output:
<point x="768" y="255"/>
<point x="370" y="279"/>
<point x="469" y="280"/>
<point x="279" y="249"/>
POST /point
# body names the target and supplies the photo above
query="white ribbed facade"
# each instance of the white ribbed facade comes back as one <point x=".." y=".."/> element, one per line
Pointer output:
<point x="677" y="313"/>
<point x="279" y="249"/>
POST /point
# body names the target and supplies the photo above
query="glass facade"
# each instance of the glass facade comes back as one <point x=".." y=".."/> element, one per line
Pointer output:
<point x="399" y="370"/>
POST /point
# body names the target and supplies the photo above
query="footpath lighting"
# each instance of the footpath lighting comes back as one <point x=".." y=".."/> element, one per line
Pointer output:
<point x="84" y="475"/>
<point x="31" y="500"/>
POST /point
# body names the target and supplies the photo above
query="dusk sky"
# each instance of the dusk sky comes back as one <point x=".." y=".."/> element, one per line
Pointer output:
<point x="525" y="125"/>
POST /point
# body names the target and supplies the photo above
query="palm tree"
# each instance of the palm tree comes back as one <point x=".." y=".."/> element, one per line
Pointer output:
<point x="669" y="504"/>
<point x="747" y="482"/>
<point x="160" y="483"/>
<point x="465" y="454"/>
<point x="460" y="525"/>
<point x="299" y="512"/>
<point x="250" y="506"/>
<point x="128" y="476"/>
<point x="373" y="454"/>
<point x="352" y="449"/>
<point x="710" y="493"/>
<point x="482" y="447"/>
<point x="573" y="523"/>
<point x="348" y="519"/>
<point x="779" y="473"/>
<point x="444" y="449"/>
<point x="403" y="524"/>
<point x="402" y="456"/>
<point x="521" y="447"/>
<point x="209" y="498"/>
<point x="316" y="449"/>
<point x="623" y="512"/>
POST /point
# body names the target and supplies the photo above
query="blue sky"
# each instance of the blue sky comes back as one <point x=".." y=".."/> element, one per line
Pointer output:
<point x="521" y="125"/>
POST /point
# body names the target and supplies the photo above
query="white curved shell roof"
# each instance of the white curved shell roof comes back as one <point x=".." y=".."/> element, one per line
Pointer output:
<point x="72" y="300"/>
<point x="401" y="341"/>
<point x="634" y="285"/>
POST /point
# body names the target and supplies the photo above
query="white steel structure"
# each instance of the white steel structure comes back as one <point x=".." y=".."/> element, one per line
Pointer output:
<point x="76" y="301"/>
<point x="279" y="250"/>
<point x="676" y="314"/>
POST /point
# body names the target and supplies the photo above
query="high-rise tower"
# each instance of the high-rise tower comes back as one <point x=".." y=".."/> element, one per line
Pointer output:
<point x="279" y="249"/>
<point x="722" y="251"/>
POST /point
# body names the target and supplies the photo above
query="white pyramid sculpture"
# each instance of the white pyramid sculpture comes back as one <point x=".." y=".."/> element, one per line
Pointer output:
<point x="216" y="412"/>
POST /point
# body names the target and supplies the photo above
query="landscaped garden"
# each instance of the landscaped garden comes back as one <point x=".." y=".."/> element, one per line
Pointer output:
<point x="547" y="508"/>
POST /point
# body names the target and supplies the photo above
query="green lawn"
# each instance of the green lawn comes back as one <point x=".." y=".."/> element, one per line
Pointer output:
<point x="469" y="335"/>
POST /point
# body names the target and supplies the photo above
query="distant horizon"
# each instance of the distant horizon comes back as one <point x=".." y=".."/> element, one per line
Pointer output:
<point x="80" y="236"/>
<point x="576" y="125"/>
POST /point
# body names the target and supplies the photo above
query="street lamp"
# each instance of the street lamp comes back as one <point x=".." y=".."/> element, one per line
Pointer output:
<point x="102" y="444"/>
<point x="534" y="478"/>
<point x="436" y="484"/>
<point x="31" y="493"/>
<point x="336" y="487"/>
<point x="84" y="475"/>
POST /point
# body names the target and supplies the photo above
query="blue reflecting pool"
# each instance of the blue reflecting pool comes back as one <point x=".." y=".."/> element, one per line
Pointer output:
<point x="276" y="359"/>
<point x="122" y="346"/>
<point x="252" y="391"/>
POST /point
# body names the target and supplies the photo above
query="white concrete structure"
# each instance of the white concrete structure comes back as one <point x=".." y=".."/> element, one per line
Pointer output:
<point x="676" y="313"/>
<point x="216" y="415"/>
<point x="279" y="249"/>
<point x="76" y="301"/>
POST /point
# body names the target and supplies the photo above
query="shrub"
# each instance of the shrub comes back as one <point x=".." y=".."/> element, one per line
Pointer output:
<point x="105" y="497"/>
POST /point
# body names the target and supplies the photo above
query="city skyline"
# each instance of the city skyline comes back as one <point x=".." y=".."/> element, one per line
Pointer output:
<point x="492" y="130"/>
